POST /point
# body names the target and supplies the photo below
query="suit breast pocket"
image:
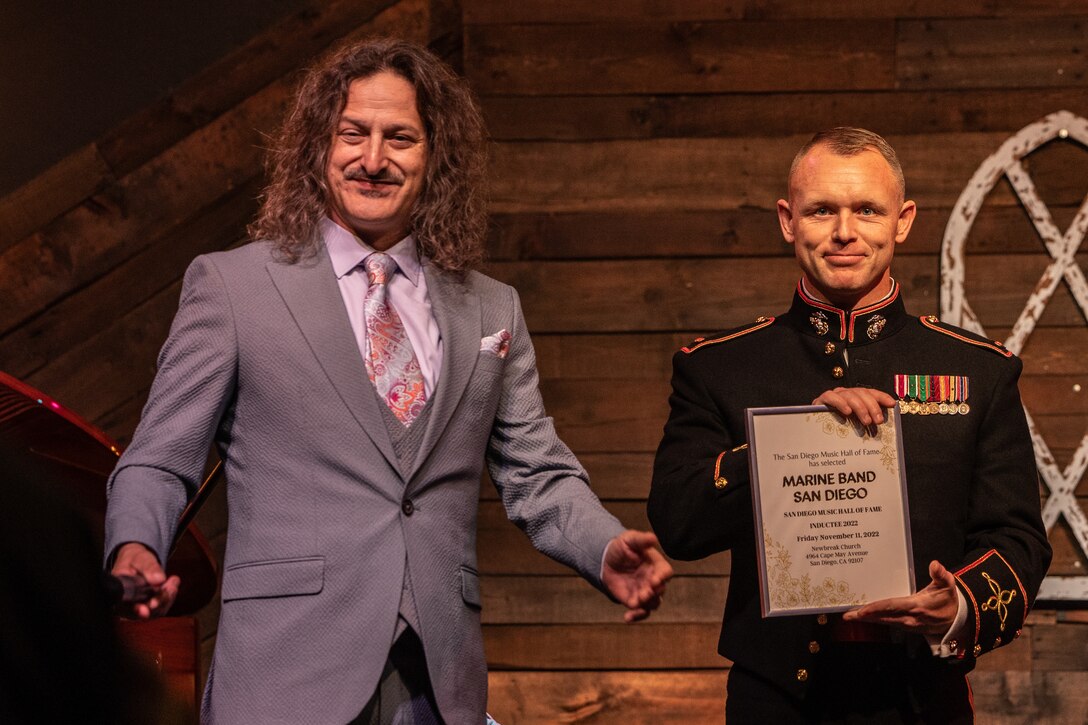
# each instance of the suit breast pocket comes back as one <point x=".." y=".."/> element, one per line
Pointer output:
<point x="490" y="364"/>
<point x="274" y="578"/>
<point x="486" y="385"/>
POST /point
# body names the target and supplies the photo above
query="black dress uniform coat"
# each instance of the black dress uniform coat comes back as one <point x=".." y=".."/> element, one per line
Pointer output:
<point x="972" y="483"/>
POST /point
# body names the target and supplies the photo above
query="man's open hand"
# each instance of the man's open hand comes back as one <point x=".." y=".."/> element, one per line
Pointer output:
<point x="635" y="573"/>
<point x="930" y="611"/>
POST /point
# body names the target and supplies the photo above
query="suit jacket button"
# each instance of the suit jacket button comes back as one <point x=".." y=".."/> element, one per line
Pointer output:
<point x="407" y="507"/>
<point x="802" y="675"/>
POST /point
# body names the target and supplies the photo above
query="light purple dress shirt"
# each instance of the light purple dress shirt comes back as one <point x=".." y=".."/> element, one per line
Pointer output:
<point x="407" y="294"/>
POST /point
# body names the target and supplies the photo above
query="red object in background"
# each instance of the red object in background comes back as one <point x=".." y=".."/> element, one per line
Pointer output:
<point x="58" y="445"/>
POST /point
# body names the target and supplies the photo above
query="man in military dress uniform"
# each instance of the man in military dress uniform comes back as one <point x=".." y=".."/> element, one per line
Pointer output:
<point x="980" y="549"/>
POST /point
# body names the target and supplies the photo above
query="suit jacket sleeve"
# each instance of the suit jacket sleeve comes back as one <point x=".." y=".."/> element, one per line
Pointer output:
<point x="544" y="489"/>
<point x="163" y="465"/>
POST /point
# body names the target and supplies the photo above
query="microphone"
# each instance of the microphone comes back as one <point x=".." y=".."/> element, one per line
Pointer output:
<point x="126" y="589"/>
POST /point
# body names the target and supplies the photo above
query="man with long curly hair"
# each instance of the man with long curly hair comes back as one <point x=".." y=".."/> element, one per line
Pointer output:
<point x="355" y="373"/>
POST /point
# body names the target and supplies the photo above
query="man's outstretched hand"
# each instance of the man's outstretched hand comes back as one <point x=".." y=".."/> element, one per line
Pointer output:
<point x="930" y="611"/>
<point x="635" y="573"/>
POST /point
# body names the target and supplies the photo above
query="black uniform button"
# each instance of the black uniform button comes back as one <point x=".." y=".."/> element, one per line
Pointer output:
<point x="837" y="372"/>
<point x="408" y="507"/>
<point x="802" y="675"/>
<point x="813" y="646"/>
<point x="821" y="619"/>
<point x="829" y="348"/>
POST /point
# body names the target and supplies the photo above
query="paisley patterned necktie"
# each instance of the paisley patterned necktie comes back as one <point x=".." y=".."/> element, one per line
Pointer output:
<point x="392" y="365"/>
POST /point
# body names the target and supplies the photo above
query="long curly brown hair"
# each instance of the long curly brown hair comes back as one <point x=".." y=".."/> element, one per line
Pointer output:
<point x="449" y="220"/>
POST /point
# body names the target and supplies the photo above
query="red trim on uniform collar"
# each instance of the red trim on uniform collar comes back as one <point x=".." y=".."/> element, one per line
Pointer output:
<point x="820" y="304"/>
<point x="878" y="305"/>
<point x="846" y="328"/>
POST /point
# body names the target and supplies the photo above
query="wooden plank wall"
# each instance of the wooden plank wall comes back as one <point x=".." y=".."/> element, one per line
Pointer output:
<point x="639" y="147"/>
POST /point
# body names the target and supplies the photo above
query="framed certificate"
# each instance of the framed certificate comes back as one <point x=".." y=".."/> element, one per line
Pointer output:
<point x="831" y="514"/>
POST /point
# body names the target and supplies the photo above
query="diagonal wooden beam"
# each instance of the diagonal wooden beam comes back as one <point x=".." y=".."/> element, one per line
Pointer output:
<point x="268" y="56"/>
<point x="126" y="212"/>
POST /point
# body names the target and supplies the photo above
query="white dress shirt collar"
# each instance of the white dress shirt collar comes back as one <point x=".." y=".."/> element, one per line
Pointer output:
<point x="347" y="251"/>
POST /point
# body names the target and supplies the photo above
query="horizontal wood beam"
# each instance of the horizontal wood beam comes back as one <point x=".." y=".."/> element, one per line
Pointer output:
<point x="552" y="12"/>
<point x="643" y="645"/>
<point x="715" y="174"/>
<point x="680" y="57"/>
<point x="715" y="115"/>
<point x="976" y="53"/>
<point x="607" y="697"/>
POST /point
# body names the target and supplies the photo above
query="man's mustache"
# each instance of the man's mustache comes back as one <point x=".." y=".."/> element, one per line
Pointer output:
<point x="385" y="176"/>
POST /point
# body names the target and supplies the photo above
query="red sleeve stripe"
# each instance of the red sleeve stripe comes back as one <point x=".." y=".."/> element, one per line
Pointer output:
<point x="974" y="606"/>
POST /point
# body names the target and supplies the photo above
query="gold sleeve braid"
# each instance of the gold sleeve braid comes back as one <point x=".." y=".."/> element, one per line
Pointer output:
<point x="721" y="481"/>
<point x="997" y="599"/>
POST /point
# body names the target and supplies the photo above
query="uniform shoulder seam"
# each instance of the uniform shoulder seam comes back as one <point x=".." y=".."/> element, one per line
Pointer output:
<point x="699" y="342"/>
<point x="931" y="322"/>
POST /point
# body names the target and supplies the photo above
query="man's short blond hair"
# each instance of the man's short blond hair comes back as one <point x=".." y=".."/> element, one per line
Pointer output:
<point x="849" y="141"/>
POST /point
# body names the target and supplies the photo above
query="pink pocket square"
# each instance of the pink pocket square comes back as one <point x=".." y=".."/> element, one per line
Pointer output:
<point x="497" y="344"/>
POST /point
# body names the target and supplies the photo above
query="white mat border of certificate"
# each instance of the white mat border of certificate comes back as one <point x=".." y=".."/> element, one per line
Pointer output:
<point x="893" y="423"/>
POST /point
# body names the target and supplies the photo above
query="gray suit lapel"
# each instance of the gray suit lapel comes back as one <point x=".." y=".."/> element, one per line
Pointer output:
<point x="310" y="292"/>
<point x="457" y="312"/>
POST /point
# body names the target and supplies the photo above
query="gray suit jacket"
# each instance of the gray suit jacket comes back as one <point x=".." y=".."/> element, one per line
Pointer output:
<point x="261" y="358"/>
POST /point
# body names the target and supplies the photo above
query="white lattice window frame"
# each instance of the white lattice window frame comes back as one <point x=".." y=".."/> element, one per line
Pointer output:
<point x="1062" y="247"/>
